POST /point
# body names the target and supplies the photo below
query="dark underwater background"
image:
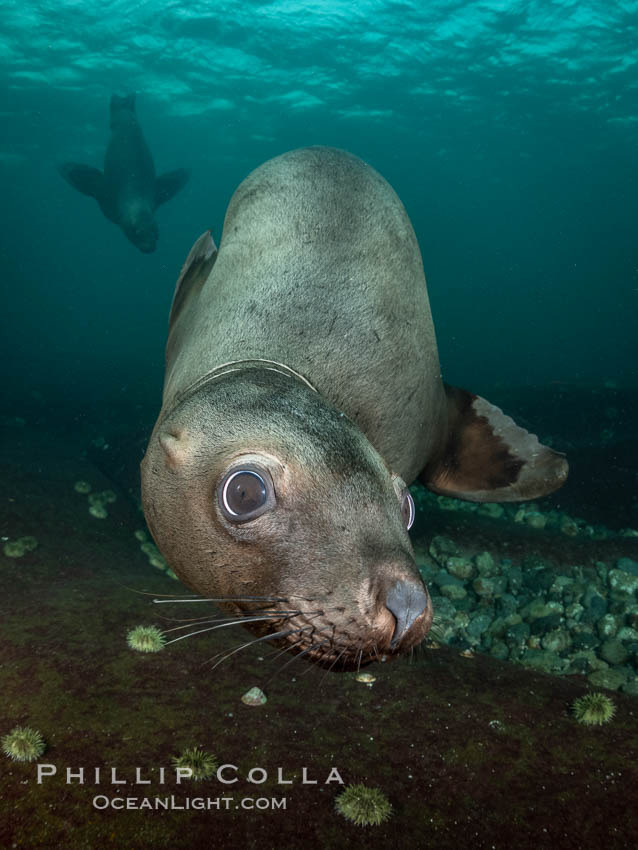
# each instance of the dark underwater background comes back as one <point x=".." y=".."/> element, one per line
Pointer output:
<point x="509" y="131"/>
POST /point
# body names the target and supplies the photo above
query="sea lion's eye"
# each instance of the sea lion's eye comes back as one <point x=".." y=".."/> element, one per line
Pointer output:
<point x="245" y="494"/>
<point x="407" y="508"/>
<point x="405" y="499"/>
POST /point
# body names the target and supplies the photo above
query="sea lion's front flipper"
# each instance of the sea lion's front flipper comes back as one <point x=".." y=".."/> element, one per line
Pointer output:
<point x="169" y="184"/>
<point x="84" y="178"/>
<point x="194" y="272"/>
<point x="488" y="458"/>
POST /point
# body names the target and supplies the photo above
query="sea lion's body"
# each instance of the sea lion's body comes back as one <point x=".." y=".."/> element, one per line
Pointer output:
<point x="324" y="274"/>
<point x="127" y="191"/>
<point x="318" y="277"/>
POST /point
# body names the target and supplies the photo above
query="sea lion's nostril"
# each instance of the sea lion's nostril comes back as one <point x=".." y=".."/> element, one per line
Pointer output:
<point x="406" y="601"/>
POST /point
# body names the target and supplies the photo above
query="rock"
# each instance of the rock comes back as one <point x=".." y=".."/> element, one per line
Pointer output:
<point x="443" y="608"/>
<point x="461" y="619"/>
<point x="478" y="625"/>
<point x="560" y="585"/>
<point x="491" y="509"/>
<point x="543" y="625"/>
<point x="595" y="606"/>
<point x="623" y="585"/>
<point x="490" y="587"/>
<point x="536" y="519"/>
<point x="454" y="592"/>
<point x="539" y="608"/>
<point x="602" y="571"/>
<point x="613" y="652"/>
<point x="543" y="659"/>
<point x="485" y="564"/>
<point x="557" y="641"/>
<point x="440" y="547"/>
<point x="574" y="611"/>
<point x="255" y="696"/>
<point x="514" y="580"/>
<point x="499" y="650"/>
<point x="627" y="566"/>
<point x="462" y="568"/>
<point x="611" y="679"/>
<point x="507" y="604"/>
<point x="447" y="504"/>
<point x="539" y="580"/>
<point x="568" y="526"/>
<point x="607" y="626"/>
<point x="588" y="661"/>
<point x="517" y="635"/>
<point x="584" y="640"/>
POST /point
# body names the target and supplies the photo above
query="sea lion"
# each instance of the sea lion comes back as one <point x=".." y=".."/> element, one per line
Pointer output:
<point x="302" y="395"/>
<point x="128" y="191"/>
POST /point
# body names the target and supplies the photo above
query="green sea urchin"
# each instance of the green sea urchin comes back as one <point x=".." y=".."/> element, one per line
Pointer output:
<point x="23" y="744"/>
<point x="202" y="764"/>
<point x="18" y="548"/>
<point x="146" y="639"/>
<point x="594" y="709"/>
<point x="363" y="806"/>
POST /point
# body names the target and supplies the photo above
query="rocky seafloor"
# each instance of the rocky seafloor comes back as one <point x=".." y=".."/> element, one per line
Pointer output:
<point x="538" y="610"/>
<point x="474" y="741"/>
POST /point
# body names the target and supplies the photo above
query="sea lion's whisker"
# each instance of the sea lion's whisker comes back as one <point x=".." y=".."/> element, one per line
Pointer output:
<point x="333" y="664"/>
<point x="226" y="599"/>
<point x="277" y="653"/>
<point x="226" y="621"/>
<point x="297" y="657"/>
<point x="258" y="640"/>
<point x="192" y="621"/>
<point x="220" y="626"/>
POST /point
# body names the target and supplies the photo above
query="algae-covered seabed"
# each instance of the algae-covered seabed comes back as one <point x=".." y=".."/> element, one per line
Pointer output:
<point x="424" y="733"/>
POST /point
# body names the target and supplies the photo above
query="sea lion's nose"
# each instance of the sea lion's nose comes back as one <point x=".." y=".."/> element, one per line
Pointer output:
<point x="406" y="601"/>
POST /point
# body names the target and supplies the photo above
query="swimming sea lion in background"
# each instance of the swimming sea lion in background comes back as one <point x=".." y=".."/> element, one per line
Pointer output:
<point x="128" y="191"/>
<point x="303" y="393"/>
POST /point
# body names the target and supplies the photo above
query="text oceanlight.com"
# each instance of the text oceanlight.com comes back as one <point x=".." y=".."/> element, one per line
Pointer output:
<point x="102" y="801"/>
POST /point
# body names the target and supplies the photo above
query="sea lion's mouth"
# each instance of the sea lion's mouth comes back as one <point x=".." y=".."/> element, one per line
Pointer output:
<point x="344" y="644"/>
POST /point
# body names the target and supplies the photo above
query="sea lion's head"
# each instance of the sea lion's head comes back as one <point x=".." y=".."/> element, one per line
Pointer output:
<point x="260" y="492"/>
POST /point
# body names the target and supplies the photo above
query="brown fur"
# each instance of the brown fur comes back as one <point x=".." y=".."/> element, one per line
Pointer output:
<point x="318" y="269"/>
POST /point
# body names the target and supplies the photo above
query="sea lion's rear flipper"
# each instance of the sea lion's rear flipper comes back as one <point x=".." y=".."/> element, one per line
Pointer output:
<point x="194" y="272"/>
<point x="169" y="184"/>
<point x="489" y="458"/>
<point x="84" y="178"/>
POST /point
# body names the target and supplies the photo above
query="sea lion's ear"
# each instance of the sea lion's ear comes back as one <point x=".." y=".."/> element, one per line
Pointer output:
<point x="174" y="442"/>
<point x="489" y="458"/>
<point x="169" y="184"/>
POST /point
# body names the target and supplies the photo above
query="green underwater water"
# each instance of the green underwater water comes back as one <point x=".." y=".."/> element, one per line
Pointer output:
<point x="508" y="130"/>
